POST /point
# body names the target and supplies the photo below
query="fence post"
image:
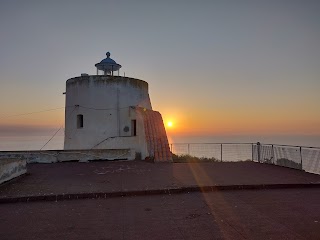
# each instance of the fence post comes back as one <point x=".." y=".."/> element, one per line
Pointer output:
<point x="301" y="158"/>
<point x="252" y="152"/>
<point x="221" y="152"/>
<point x="188" y="149"/>
<point x="258" y="150"/>
<point x="272" y="154"/>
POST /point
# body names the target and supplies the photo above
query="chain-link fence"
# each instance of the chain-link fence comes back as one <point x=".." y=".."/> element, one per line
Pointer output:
<point x="302" y="158"/>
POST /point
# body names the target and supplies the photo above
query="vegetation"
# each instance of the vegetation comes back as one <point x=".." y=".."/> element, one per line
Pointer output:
<point x="267" y="160"/>
<point x="188" y="158"/>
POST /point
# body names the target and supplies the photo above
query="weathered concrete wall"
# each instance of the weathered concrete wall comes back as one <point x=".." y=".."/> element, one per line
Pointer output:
<point x="11" y="168"/>
<point x="110" y="107"/>
<point x="105" y="102"/>
<point x="100" y="139"/>
<point x="138" y="142"/>
<point x="51" y="156"/>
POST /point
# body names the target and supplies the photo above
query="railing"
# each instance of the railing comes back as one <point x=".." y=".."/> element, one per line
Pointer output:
<point x="298" y="157"/>
<point x="229" y="152"/>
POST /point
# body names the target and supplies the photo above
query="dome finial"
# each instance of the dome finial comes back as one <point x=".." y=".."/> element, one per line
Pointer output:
<point x="108" y="54"/>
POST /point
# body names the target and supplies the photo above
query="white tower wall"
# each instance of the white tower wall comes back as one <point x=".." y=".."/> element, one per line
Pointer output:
<point x="107" y="104"/>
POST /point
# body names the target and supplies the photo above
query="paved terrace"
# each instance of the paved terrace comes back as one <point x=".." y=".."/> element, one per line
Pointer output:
<point x="105" y="179"/>
<point x="290" y="212"/>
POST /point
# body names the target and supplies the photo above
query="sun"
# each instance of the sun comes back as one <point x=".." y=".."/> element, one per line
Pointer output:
<point x="169" y="124"/>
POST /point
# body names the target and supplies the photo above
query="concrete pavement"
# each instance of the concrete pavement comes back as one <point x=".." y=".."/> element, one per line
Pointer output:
<point x="246" y="214"/>
<point x="141" y="177"/>
<point x="284" y="213"/>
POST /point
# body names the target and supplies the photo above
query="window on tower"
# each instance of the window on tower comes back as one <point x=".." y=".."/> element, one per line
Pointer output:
<point x="134" y="127"/>
<point x="79" y="121"/>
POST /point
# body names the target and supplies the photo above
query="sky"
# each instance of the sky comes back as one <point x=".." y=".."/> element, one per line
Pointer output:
<point x="214" y="68"/>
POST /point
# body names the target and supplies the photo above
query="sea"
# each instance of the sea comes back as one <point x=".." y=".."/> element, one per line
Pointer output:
<point x="25" y="142"/>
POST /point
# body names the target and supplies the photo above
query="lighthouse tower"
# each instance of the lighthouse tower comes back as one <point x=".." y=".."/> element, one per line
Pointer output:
<point x="109" y="111"/>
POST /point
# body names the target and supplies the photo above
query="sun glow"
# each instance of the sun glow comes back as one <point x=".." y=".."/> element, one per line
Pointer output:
<point x="169" y="124"/>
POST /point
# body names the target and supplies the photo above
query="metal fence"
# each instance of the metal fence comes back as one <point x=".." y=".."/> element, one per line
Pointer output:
<point x="303" y="158"/>
<point x="228" y="152"/>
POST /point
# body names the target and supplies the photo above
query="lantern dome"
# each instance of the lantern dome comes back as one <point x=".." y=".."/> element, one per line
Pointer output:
<point x="108" y="65"/>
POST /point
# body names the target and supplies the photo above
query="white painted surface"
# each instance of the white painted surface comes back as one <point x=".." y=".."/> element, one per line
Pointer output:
<point x="107" y="105"/>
